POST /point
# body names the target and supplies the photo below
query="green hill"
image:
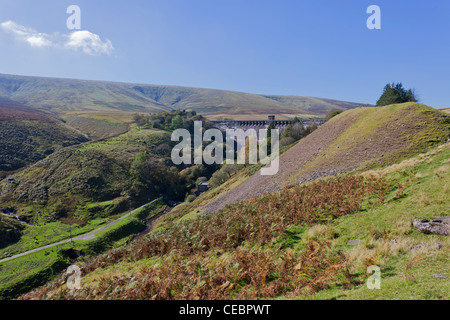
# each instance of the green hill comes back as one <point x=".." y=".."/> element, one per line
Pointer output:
<point x="97" y="179"/>
<point x="70" y="182"/>
<point x="66" y="96"/>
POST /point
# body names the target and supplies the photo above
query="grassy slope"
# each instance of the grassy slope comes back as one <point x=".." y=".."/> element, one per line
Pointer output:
<point x="405" y="129"/>
<point x="25" y="273"/>
<point x="47" y="234"/>
<point x="77" y="177"/>
<point x="97" y="127"/>
<point x="380" y="227"/>
<point x="27" y="135"/>
<point x="226" y="269"/>
<point x="60" y="95"/>
<point x="365" y="128"/>
<point x="63" y="193"/>
<point x="10" y="229"/>
<point x="63" y="96"/>
<point x="389" y="240"/>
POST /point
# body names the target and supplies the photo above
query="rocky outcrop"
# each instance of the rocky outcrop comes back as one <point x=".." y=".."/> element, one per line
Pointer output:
<point x="440" y="225"/>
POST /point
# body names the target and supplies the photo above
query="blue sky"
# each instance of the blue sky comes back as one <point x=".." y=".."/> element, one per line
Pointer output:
<point x="316" y="48"/>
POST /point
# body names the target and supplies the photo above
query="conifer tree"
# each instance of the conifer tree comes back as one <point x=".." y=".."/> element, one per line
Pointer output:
<point x="395" y="93"/>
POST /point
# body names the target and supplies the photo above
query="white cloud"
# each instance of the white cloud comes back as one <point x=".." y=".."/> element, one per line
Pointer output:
<point x="90" y="43"/>
<point x="34" y="38"/>
<point x="39" y="41"/>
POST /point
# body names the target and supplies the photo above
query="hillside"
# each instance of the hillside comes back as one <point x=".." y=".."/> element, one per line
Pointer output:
<point x="359" y="138"/>
<point x="66" y="96"/>
<point x="28" y="135"/>
<point x="81" y="182"/>
<point x="98" y="179"/>
<point x="313" y="241"/>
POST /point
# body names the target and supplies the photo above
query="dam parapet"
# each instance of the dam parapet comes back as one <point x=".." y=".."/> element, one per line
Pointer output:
<point x="263" y="124"/>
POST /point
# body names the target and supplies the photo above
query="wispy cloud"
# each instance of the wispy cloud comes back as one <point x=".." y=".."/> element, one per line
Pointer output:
<point x="31" y="36"/>
<point x="89" y="43"/>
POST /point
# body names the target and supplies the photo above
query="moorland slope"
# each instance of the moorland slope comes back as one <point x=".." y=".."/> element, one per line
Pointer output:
<point x="82" y="181"/>
<point x="28" y="135"/>
<point x="65" y="96"/>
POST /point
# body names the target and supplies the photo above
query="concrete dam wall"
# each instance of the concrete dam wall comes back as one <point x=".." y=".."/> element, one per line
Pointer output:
<point x="263" y="124"/>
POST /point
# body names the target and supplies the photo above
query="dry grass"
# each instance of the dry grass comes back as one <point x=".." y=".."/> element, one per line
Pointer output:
<point x="319" y="232"/>
<point x="245" y="274"/>
<point x="238" y="258"/>
<point x="393" y="168"/>
<point x="443" y="169"/>
<point x="424" y="199"/>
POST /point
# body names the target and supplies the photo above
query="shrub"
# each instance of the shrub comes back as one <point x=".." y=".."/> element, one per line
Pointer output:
<point x="264" y="218"/>
<point x="190" y="198"/>
<point x="295" y="130"/>
<point x="149" y="209"/>
<point x="333" y="113"/>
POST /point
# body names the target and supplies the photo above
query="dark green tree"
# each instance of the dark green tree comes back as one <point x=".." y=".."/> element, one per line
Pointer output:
<point x="395" y="93"/>
<point x="176" y="123"/>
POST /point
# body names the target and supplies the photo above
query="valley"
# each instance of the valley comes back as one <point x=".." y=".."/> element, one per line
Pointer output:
<point x="224" y="158"/>
<point x="87" y="165"/>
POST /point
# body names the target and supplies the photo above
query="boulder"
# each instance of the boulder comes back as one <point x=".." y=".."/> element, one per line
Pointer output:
<point x="440" y="225"/>
<point x="353" y="242"/>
